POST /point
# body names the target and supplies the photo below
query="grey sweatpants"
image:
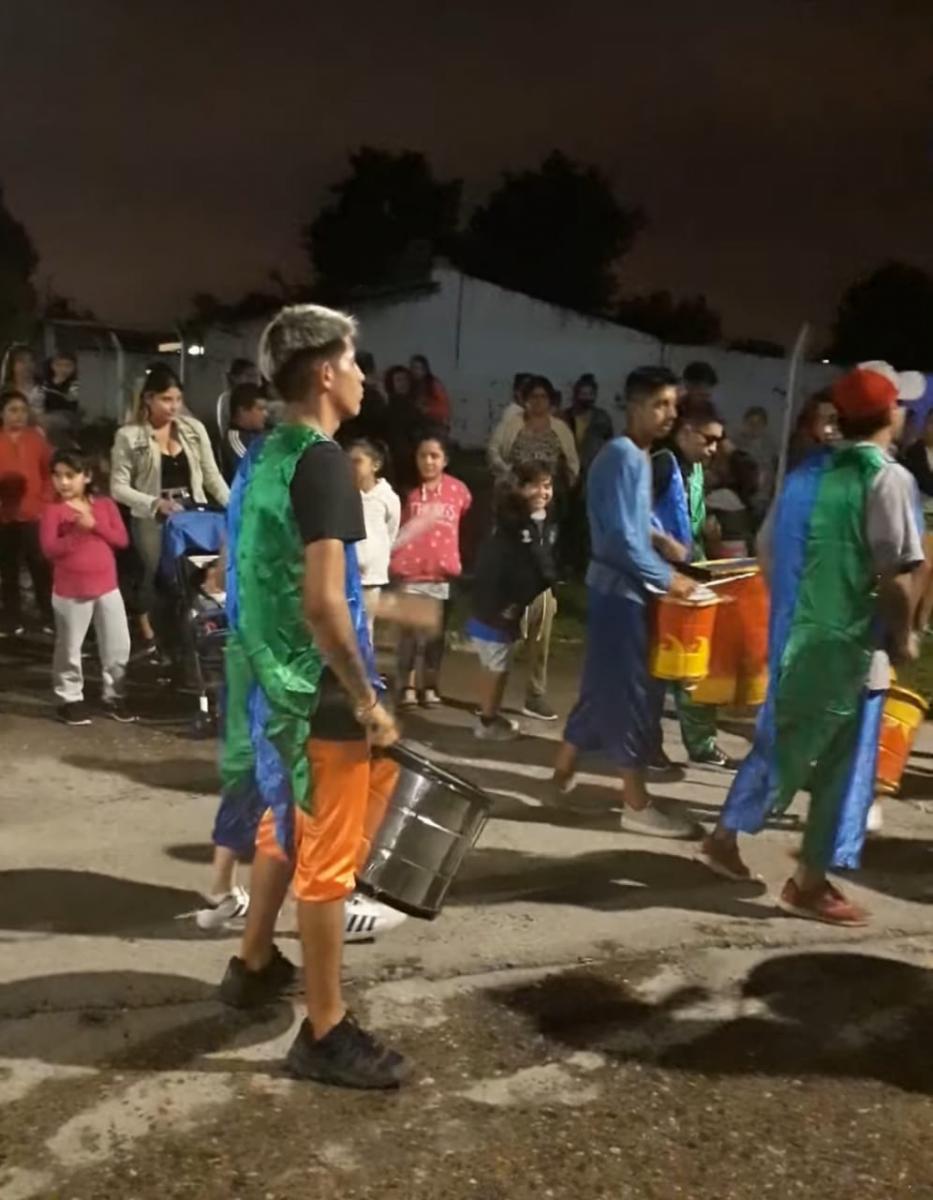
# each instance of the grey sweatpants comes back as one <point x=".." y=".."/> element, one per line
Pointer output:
<point x="72" y="621"/>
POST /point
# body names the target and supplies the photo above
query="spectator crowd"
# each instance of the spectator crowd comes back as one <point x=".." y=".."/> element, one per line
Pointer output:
<point x="85" y="522"/>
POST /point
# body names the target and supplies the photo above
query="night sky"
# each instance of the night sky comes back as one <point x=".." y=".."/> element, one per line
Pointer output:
<point x="780" y="147"/>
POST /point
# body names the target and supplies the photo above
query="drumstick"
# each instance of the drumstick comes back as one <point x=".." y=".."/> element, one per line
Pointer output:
<point x="712" y="583"/>
<point x="412" y="529"/>
<point x="413" y="611"/>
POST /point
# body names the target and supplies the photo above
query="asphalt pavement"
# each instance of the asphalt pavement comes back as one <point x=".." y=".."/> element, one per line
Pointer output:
<point x="592" y="1014"/>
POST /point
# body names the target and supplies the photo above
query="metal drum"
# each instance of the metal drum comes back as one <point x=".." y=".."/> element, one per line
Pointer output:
<point x="430" y="819"/>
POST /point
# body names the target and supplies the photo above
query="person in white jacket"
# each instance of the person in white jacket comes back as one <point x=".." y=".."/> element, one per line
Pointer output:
<point x="382" y="514"/>
<point x="513" y="421"/>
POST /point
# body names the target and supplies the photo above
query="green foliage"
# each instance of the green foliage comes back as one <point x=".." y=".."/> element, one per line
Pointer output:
<point x="688" y="321"/>
<point x="555" y="233"/>
<point x="18" y="262"/>
<point x="888" y="315"/>
<point x="386" y="222"/>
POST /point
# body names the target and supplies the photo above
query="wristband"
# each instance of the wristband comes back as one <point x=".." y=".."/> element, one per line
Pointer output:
<point x="363" y="711"/>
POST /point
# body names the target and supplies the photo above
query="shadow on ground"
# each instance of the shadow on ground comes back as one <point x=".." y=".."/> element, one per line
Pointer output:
<point x="42" y="900"/>
<point x="844" y="1015"/>
<point x="611" y="880"/>
<point x="194" y="775"/>
<point x="201" y="853"/>
<point x="116" y="1019"/>
<point x="917" y="785"/>
<point x="901" y="867"/>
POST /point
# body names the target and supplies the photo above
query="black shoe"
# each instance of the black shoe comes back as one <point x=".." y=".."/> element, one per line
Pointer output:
<point x="117" y="711"/>
<point x="74" y="714"/>
<point x="716" y="757"/>
<point x="345" y="1057"/>
<point x="242" y="988"/>
<point x="538" y="708"/>
<point x="151" y="654"/>
<point x="662" y="770"/>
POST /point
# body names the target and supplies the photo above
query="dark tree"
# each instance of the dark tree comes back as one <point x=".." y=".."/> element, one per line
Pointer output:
<point x="18" y="261"/>
<point x="386" y="223"/>
<point x="207" y="309"/>
<point x="888" y="315"/>
<point x="56" y="307"/>
<point x="688" y="321"/>
<point x="555" y="233"/>
<point x="763" y="347"/>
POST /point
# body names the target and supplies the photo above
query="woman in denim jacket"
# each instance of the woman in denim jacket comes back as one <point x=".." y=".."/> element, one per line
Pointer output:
<point x="162" y="463"/>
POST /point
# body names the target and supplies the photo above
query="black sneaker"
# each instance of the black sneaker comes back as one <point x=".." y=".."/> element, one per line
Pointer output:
<point x="716" y="757"/>
<point x="346" y="1057"/>
<point x="150" y="654"/>
<point x="662" y="770"/>
<point x="74" y="714"/>
<point x="117" y="711"/>
<point x="538" y="708"/>
<point x="242" y="988"/>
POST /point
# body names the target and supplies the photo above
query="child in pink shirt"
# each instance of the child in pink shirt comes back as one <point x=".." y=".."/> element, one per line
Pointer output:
<point x="426" y="557"/>
<point x="79" y="534"/>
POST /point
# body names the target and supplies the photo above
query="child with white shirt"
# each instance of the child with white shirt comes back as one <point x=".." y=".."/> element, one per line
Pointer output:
<point x="382" y="511"/>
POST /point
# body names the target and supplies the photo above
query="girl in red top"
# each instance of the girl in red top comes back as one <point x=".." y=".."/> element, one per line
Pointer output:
<point x="24" y="488"/>
<point x="425" y="558"/>
<point x="80" y="534"/>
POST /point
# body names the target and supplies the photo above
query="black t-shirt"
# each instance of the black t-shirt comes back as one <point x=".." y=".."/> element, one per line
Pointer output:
<point x="328" y="506"/>
<point x="176" y="472"/>
<point x="326" y="501"/>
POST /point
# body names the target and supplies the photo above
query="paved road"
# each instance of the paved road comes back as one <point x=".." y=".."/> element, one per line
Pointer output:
<point x="593" y="1014"/>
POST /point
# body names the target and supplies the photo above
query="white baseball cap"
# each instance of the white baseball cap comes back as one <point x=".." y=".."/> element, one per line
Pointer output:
<point x="910" y="385"/>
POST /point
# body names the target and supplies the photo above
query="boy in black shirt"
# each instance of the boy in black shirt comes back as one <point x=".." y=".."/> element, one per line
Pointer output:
<point x="248" y="416"/>
<point x="515" y="566"/>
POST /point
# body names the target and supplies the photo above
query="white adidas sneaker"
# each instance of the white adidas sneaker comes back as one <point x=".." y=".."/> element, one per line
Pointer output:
<point x="368" y="919"/>
<point x="231" y="907"/>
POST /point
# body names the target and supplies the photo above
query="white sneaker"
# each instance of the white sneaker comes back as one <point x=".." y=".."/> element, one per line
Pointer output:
<point x="368" y="919"/>
<point x="231" y="907"/>
<point x="875" y="820"/>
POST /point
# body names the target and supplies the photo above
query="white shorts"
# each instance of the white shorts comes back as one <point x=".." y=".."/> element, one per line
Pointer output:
<point x="494" y="656"/>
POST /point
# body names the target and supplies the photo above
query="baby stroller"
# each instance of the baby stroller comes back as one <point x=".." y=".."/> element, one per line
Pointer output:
<point x="191" y="569"/>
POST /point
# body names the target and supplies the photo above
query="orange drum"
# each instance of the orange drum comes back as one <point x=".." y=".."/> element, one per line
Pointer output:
<point x="903" y="715"/>
<point x="681" y="635"/>
<point x="738" y="668"/>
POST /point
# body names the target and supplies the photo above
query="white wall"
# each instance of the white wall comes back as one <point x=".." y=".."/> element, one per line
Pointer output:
<point x="477" y="335"/>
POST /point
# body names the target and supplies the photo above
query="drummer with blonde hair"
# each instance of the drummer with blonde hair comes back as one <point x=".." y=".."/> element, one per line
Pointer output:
<point x="304" y="701"/>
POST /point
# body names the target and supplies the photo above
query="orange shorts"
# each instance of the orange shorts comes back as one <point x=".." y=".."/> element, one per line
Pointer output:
<point x="350" y="792"/>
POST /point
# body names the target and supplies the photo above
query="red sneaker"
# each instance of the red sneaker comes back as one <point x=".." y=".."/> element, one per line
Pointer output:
<point x="823" y="903"/>
<point x="723" y="859"/>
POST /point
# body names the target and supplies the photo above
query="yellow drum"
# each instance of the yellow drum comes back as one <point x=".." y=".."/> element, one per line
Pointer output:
<point x="738" y="669"/>
<point x="904" y="712"/>
<point x="681" y="636"/>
